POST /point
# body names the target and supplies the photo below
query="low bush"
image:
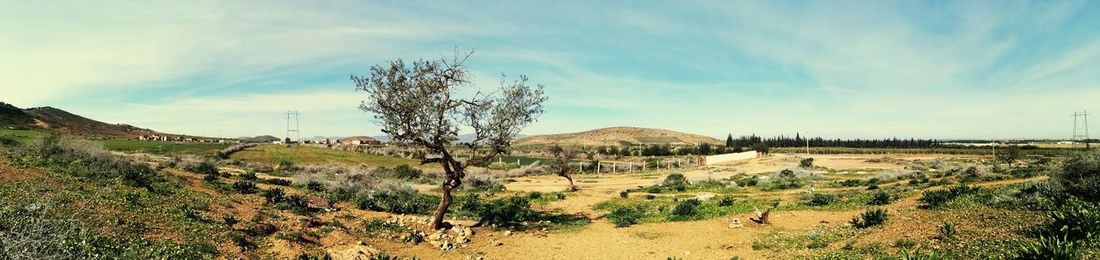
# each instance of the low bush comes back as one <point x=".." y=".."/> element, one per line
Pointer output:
<point x="295" y="203"/>
<point x="624" y="194"/>
<point x="481" y="184"/>
<point x="685" y="210"/>
<point x="806" y="163"/>
<point x="676" y="182"/>
<point x="205" y="167"/>
<point x="725" y="201"/>
<point x="948" y="230"/>
<point x="395" y="198"/>
<point x="1075" y="220"/>
<point x="86" y="160"/>
<point x="1049" y="248"/>
<point x="276" y="181"/>
<point x="1080" y="176"/>
<point x="879" y="198"/>
<point x="407" y="172"/>
<point x="787" y="173"/>
<point x="250" y="176"/>
<point x="245" y="187"/>
<point x="937" y="198"/>
<point x="821" y="199"/>
<point x="870" y="218"/>
<point x="315" y="186"/>
<point x="506" y="212"/>
<point x="275" y="195"/>
<point x="624" y="216"/>
<point x="27" y="232"/>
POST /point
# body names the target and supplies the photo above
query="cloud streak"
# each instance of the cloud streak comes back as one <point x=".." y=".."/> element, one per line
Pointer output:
<point x="969" y="69"/>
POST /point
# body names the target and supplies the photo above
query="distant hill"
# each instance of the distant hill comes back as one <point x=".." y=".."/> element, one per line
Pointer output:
<point x="14" y="117"/>
<point x="618" y="136"/>
<point x="49" y="118"/>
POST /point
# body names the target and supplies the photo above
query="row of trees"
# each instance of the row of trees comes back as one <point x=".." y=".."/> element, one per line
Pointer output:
<point x="798" y="141"/>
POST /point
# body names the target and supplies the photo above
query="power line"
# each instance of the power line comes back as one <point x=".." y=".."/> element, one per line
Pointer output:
<point x="1083" y="135"/>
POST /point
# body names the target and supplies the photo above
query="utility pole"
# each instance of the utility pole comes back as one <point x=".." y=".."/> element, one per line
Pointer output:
<point x="1083" y="135"/>
<point x="295" y="129"/>
<point x="807" y="144"/>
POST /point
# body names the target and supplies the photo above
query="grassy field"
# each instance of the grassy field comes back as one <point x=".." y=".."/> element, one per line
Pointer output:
<point x="163" y="148"/>
<point x="270" y="153"/>
<point x="21" y="135"/>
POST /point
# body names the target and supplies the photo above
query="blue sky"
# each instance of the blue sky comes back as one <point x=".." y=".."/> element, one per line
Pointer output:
<point x="839" y="69"/>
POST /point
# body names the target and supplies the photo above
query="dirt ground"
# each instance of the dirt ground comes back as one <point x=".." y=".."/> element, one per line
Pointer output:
<point x="704" y="239"/>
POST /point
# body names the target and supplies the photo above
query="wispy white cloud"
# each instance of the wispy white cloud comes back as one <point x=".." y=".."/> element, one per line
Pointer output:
<point x="969" y="69"/>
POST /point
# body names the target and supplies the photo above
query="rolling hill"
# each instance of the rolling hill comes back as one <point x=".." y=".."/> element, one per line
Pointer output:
<point x="49" y="118"/>
<point x="619" y="136"/>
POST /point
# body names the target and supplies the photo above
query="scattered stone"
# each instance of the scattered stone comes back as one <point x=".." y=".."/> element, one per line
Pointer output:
<point x="736" y="223"/>
<point x="507" y="232"/>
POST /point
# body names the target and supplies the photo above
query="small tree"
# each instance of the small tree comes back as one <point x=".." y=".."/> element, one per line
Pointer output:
<point x="1009" y="155"/>
<point x="418" y="104"/>
<point x="761" y="148"/>
<point x="560" y="164"/>
<point x="729" y="141"/>
<point x="704" y="149"/>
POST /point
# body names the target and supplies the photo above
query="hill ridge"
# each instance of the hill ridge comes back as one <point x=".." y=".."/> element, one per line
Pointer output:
<point x="618" y="136"/>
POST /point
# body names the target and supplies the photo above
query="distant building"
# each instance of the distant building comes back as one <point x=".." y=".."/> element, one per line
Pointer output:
<point x="359" y="140"/>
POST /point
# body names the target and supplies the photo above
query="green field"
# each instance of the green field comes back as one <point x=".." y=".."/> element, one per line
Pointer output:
<point x="273" y="154"/>
<point x="21" y="135"/>
<point x="162" y="148"/>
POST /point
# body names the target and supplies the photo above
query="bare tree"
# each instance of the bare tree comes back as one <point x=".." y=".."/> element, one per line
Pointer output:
<point x="419" y="105"/>
<point x="560" y="164"/>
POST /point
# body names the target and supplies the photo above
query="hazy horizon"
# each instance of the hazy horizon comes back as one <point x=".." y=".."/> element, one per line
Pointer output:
<point x="859" y="69"/>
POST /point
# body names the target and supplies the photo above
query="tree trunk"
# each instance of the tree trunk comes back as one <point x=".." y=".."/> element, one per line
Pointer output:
<point x="437" y="220"/>
<point x="571" y="186"/>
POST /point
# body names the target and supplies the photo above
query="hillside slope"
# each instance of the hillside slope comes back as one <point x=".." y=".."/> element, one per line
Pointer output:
<point x="619" y="136"/>
<point x="14" y="117"/>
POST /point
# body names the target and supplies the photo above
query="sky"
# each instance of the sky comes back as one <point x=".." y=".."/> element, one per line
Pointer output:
<point x="836" y="69"/>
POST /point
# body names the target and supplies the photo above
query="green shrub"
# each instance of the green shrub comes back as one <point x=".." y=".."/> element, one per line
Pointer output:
<point x="86" y="160"/>
<point x="230" y="220"/>
<point x="315" y="186"/>
<point x="650" y="196"/>
<point x="251" y="176"/>
<point x="624" y="194"/>
<point x="624" y="216"/>
<point x="822" y="199"/>
<point x="879" y="198"/>
<point x="472" y="183"/>
<point x="787" y="173"/>
<point x="685" y="210"/>
<point x="870" y="218"/>
<point x="396" y="198"/>
<point x="806" y="163"/>
<point x="534" y="195"/>
<point x="1080" y="176"/>
<point x="276" y="181"/>
<point x="676" y="181"/>
<point x="407" y="172"/>
<point x="1075" y="220"/>
<point x="725" y="201"/>
<point x="937" y="198"/>
<point x="506" y="212"/>
<point x="275" y="195"/>
<point x="210" y="178"/>
<point x="295" y="203"/>
<point x="654" y="189"/>
<point x="1049" y="248"/>
<point x="28" y="232"/>
<point x="245" y="187"/>
<point x="948" y="230"/>
<point x="205" y="167"/>
<point x="904" y="243"/>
